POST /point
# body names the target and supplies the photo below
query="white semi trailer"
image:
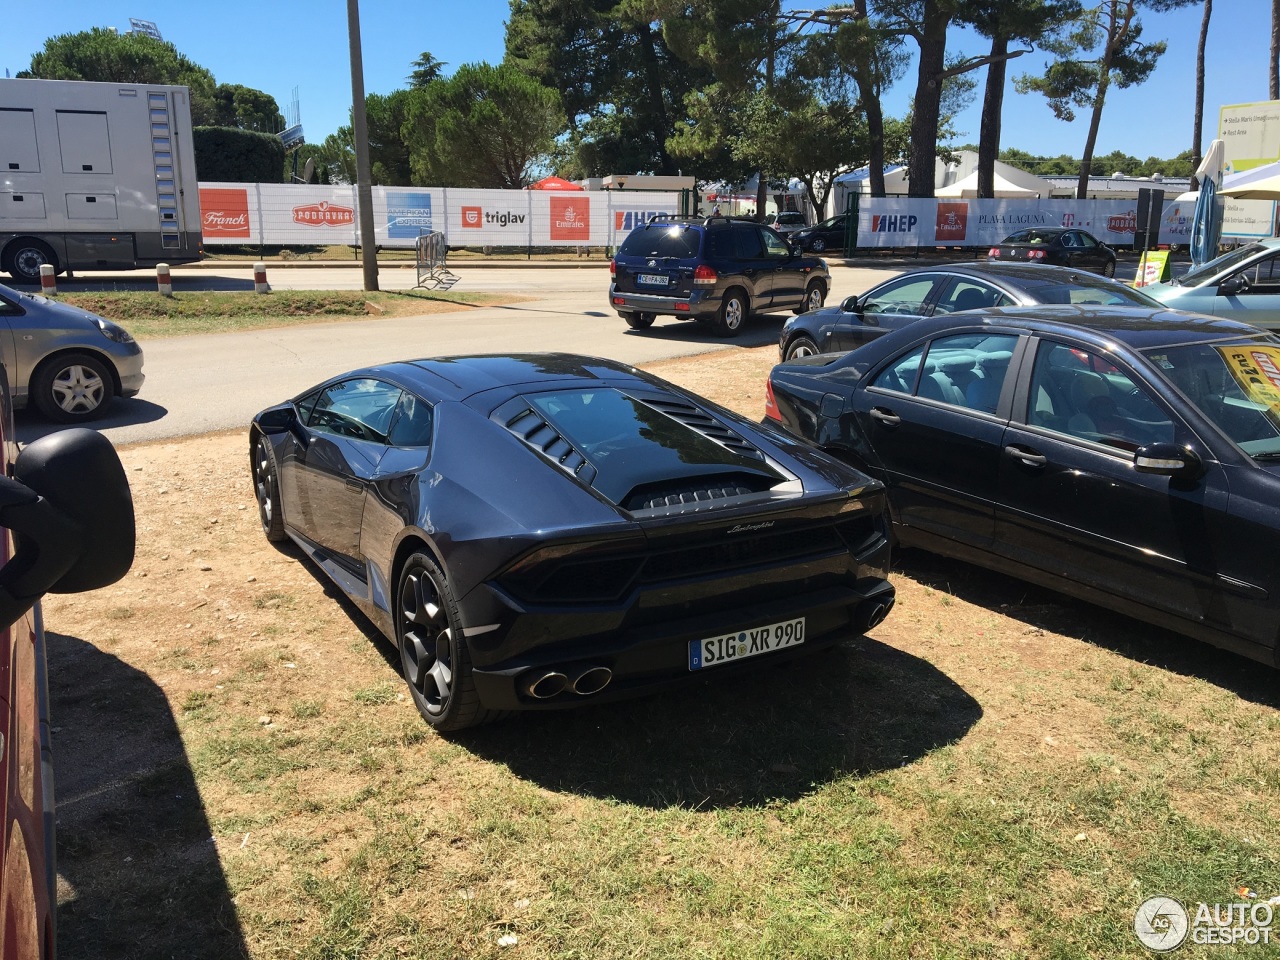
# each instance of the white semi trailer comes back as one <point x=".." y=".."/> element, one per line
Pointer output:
<point x="95" y="176"/>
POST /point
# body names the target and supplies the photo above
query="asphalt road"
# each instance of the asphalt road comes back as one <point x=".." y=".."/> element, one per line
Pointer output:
<point x="212" y="382"/>
<point x="200" y="384"/>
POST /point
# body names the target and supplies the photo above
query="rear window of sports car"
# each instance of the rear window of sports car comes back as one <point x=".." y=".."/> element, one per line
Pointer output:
<point x="631" y="443"/>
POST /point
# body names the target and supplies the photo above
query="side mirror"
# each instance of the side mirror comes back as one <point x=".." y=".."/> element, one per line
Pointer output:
<point x="71" y="514"/>
<point x="1168" y="460"/>
<point x="1232" y="285"/>
<point x="850" y="305"/>
<point x="278" y="419"/>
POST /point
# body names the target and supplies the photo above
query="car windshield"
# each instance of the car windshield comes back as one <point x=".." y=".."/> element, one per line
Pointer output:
<point x="678" y="241"/>
<point x="1082" y="290"/>
<point x="635" y="446"/>
<point x="1236" y="385"/>
<point x="1229" y="260"/>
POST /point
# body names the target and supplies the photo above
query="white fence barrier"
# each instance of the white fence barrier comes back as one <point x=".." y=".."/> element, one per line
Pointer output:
<point x="984" y="223"/>
<point x="278" y="213"/>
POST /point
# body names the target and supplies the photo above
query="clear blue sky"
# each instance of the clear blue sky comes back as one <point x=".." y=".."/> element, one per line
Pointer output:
<point x="275" y="47"/>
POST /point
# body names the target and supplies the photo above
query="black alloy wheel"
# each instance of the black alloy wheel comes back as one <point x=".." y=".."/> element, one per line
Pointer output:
<point x="433" y="653"/>
<point x="266" y="488"/>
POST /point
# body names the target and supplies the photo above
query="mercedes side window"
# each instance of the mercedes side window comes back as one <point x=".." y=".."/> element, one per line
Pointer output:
<point x="900" y="375"/>
<point x="968" y="295"/>
<point x="412" y="424"/>
<point x="906" y="296"/>
<point x="1075" y="392"/>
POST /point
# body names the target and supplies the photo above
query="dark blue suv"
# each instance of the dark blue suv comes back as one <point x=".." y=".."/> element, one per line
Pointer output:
<point x="718" y="270"/>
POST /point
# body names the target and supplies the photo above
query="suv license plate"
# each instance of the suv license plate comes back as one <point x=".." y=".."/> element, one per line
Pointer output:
<point x="747" y="643"/>
<point x="652" y="280"/>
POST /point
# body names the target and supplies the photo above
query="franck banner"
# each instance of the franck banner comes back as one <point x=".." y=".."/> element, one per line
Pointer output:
<point x="278" y="213"/>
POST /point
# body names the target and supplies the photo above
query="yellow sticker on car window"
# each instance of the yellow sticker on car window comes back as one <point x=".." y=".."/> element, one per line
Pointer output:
<point x="1257" y="370"/>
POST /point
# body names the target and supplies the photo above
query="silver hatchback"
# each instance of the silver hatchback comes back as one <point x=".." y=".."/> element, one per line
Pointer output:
<point x="66" y="362"/>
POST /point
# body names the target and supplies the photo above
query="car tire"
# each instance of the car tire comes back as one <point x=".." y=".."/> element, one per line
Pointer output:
<point x="814" y="296"/>
<point x="266" y="489"/>
<point x="25" y="257"/>
<point x="801" y="347"/>
<point x="72" y="387"/>
<point x="639" y="321"/>
<point x="1109" y="269"/>
<point x="734" y="310"/>
<point x="433" y="653"/>
<point x="817" y="245"/>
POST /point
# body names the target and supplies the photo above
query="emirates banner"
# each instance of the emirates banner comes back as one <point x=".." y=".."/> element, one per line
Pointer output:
<point x="892" y="222"/>
<point x="278" y="213"/>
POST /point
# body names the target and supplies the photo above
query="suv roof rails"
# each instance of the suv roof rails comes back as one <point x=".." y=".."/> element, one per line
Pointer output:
<point x="705" y="221"/>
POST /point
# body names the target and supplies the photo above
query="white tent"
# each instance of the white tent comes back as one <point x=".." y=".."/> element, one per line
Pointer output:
<point x="1004" y="187"/>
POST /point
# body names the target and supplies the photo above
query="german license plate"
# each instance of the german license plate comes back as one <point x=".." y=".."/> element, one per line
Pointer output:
<point x="651" y="279"/>
<point x="714" y="651"/>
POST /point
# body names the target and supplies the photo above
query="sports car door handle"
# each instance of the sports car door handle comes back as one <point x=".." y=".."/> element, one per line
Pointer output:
<point x="353" y="484"/>
<point x="1026" y="456"/>
<point x="888" y="418"/>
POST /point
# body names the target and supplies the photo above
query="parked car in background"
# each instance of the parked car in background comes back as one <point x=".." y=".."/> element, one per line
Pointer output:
<point x="949" y="288"/>
<point x="1242" y="284"/>
<point x="66" y="525"/>
<point x="828" y="235"/>
<point x="1129" y="457"/>
<point x="545" y="530"/>
<point x="1062" y="246"/>
<point x="786" y="222"/>
<point x="67" y="362"/>
<point x="717" y="270"/>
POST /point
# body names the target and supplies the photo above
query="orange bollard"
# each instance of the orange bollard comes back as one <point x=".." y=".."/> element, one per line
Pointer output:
<point x="164" y="282"/>
<point x="260" y="284"/>
<point x="48" y="286"/>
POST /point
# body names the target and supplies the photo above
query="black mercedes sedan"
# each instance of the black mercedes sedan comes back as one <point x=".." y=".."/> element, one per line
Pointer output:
<point x="940" y="289"/>
<point x="547" y="529"/>
<point x="1127" y="457"/>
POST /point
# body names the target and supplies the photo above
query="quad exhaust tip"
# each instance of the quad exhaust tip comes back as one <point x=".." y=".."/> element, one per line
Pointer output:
<point x="586" y="682"/>
<point x="591" y="681"/>
<point x="544" y="686"/>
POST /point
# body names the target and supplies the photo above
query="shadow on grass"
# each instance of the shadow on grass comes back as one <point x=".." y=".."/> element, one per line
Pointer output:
<point x="774" y="734"/>
<point x="1040" y="607"/>
<point x="139" y="874"/>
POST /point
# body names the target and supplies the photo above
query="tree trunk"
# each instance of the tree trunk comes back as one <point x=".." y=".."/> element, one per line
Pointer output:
<point x="1197" y="128"/>
<point x="928" y="100"/>
<point x="867" y="77"/>
<point x="992" y="103"/>
<point x="1275" y="50"/>
<point x="657" y="104"/>
<point x="1116" y="34"/>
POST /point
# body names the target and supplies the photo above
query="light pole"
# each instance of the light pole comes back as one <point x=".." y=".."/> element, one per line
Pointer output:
<point x="360" y="131"/>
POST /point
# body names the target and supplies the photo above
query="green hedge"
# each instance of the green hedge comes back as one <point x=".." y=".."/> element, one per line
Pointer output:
<point x="231" y="155"/>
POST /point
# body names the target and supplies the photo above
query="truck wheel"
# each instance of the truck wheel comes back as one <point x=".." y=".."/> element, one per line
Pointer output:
<point x="638" y="321"/>
<point x="71" y="388"/>
<point x="26" y="256"/>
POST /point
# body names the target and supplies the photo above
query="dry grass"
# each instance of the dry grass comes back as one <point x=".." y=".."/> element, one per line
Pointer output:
<point x="995" y="772"/>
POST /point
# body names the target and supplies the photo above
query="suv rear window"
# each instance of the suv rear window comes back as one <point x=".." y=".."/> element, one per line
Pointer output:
<point x="678" y="241"/>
